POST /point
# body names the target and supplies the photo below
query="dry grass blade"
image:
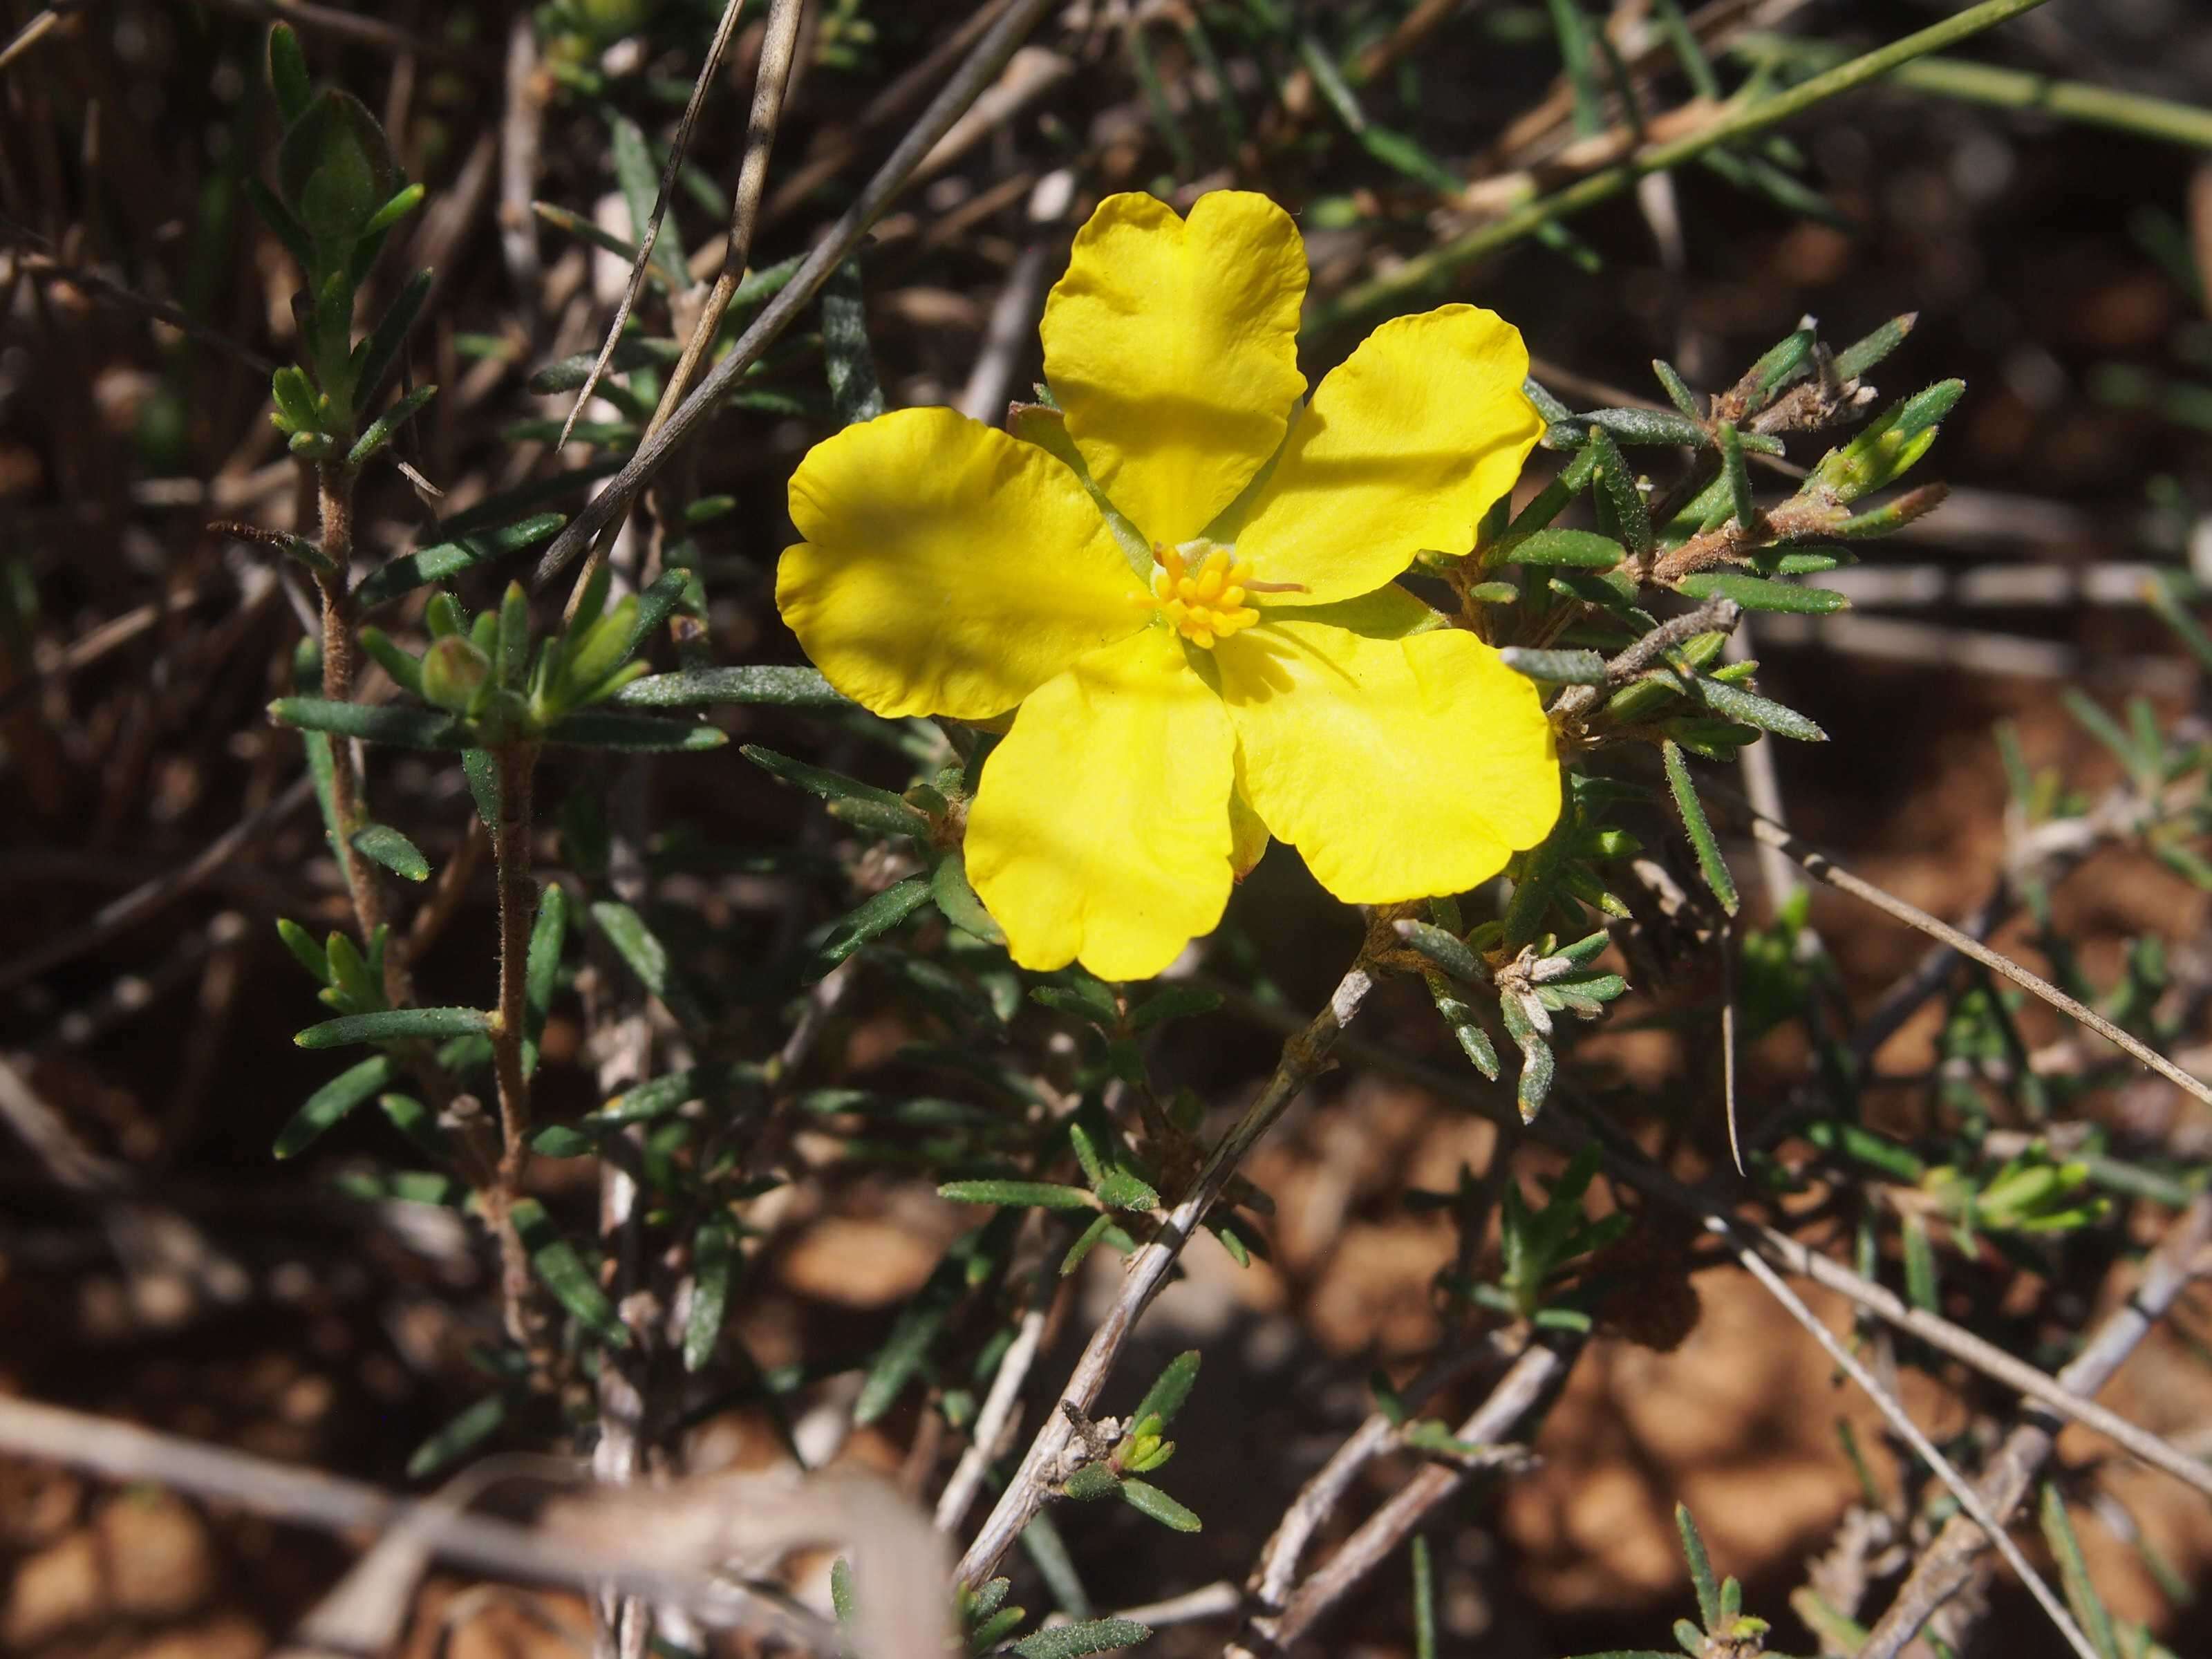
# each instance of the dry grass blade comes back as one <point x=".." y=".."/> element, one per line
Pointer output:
<point x="677" y="149"/>
<point x="966" y="85"/>
<point x="1822" y="868"/>
<point x="1901" y="1420"/>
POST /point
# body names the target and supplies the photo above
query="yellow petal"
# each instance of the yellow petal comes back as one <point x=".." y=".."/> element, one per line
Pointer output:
<point x="1400" y="767"/>
<point x="1101" y="829"/>
<point x="1248" y="834"/>
<point x="1172" y="345"/>
<point x="1403" y="447"/>
<point x="947" y="568"/>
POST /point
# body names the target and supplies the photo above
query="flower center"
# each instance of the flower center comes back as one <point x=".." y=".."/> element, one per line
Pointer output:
<point x="1201" y="587"/>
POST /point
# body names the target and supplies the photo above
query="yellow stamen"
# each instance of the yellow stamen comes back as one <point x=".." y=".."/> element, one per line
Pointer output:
<point x="1203" y="590"/>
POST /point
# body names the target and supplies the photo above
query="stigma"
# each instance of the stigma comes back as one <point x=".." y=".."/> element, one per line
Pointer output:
<point x="1203" y="588"/>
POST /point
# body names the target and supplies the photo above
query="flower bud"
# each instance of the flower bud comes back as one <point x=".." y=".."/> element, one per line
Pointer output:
<point x="453" y="671"/>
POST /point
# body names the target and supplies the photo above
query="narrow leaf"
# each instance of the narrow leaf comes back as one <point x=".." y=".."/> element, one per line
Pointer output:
<point x="714" y="1261"/>
<point x="1711" y="865"/>
<point x="785" y="688"/>
<point x="885" y="911"/>
<point x="403" y="728"/>
<point x="390" y="848"/>
<point x="1090" y="1636"/>
<point x="1556" y="667"/>
<point x="1149" y="1500"/>
<point x="348" y="1089"/>
<point x="1758" y="593"/>
<point x="563" y="1272"/>
<point x="392" y="1026"/>
<point x="1032" y="1194"/>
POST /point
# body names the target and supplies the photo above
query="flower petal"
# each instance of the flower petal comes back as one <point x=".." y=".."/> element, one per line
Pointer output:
<point x="947" y="568"/>
<point x="1400" y="764"/>
<point x="1101" y="831"/>
<point x="1249" y="836"/>
<point x="1172" y="345"/>
<point x="1403" y="447"/>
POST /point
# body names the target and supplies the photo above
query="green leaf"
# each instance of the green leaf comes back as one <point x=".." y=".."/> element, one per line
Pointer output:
<point x="1758" y="593"/>
<point x="388" y="848"/>
<point x="640" y="182"/>
<point x="1035" y="1194"/>
<point x="348" y="1089"/>
<point x="392" y="1026"/>
<point x="403" y="728"/>
<point x="645" y="956"/>
<point x="2089" y="1609"/>
<point x="548" y="932"/>
<point x="1149" y="1500"/>
<point x="304" y="945"/>
<point x="1474" y="1041"/>
<point x="845" y="349"/>
<point x="843" y="1601"/>
<point x="1746" y="505"/>
<point x="784" y="687"/>
<point x="1855" y="359"/>
<point x="1711" y="865"/>
<point x="885" y="911"/>
<point x="901" y="1354"/>
<point x="1617" y="490"/>
<point x="1119" y="1189"/>
<point x="1678" y="390"/>
<point x="957" y="900"/>
<point x="563" y="1272"/>
<point x="616" y="728"/>
<point x="1644" y="427"/>
<point x="1701" y="1567"/>
<point x="385" y="427"/>
<point x="714" y="1262"/>
<point x="1556" y="667"/>
<point x="884" y="811"/>
<point x="1170" y="1389"/>
<point x="1090" y="1636"/>
<point x="381" y="349"/>
<point x="1579" y="549"/>
<point x="1442" y="947"/>
<point x="460" y="1437"/>
<point x="1748" y="709"/>
<point x="288" y="73"/>
<point x="445" y="560"/>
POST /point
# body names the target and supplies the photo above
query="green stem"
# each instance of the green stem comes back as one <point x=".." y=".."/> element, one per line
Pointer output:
<point x="2005" y="88"/>
<point x="1733" y="123"/>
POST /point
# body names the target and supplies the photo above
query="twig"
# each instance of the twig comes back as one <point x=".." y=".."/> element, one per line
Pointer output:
<point x="1900" y="1420"/>
<point x="997" y="1416"/>
<point x="1822" y="868"/>
<point x="283" y="1492"/>
<point x="1528" y="1384"/>
<point x="678" y="147"/>
<point x="771" y="77"/>
<point x="1721" y="615"/>
<point x="967" y="84"/>
<point x="1268" y="1587"/>
<point x="1303" y="1059"/>
<point x="145" y="899"/>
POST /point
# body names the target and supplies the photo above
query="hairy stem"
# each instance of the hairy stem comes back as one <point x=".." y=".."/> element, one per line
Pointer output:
<point x="518" y="905"/>
<point x="334" y="484"/>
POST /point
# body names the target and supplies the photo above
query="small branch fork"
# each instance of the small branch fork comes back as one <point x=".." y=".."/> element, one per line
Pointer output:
<point x="1527" y="1387"/>
<point x="1304" y="1057"/>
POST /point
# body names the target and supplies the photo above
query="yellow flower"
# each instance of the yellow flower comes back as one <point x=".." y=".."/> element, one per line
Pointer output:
<point x="1240" y="666"/>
